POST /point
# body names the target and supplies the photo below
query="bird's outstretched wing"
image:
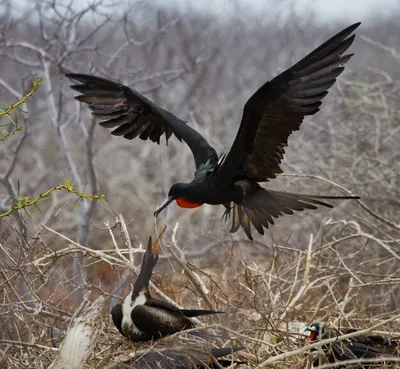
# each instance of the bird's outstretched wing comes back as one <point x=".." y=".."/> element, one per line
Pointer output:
<point x="135" y="115"/>
<point x="278" y="108"/>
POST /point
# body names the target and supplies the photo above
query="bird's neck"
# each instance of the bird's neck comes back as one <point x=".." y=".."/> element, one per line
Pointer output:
<point x="139" y="298"/>
<point x="188" y="196"/>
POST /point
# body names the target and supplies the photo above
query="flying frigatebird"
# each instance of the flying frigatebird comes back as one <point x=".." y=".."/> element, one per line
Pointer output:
<point x="142" y="317"/>
<point x="274" y="111"/>
<point x="369" y="346"/>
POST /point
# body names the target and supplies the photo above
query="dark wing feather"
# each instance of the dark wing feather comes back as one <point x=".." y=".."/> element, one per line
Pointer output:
<point x="261" y="206"/>
<point x="116" y="315"/>
<point x="364" y="346"/>
<point x="187" y="356"/>
<point x="348" y="350"/>
<point x="162" y="304"/>
<point x="135" y="115"/>
<point x="383" y="344"/>
<point x="159" y="322"/>
<point x="191" y="313"/>
<point x="279" y="107"/>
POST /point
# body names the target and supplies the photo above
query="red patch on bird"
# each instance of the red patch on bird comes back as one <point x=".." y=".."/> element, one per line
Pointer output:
<point x="312" y="337"/>
<point x="188" y="204"/>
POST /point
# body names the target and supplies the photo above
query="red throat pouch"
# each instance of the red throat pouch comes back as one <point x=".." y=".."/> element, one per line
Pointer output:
<point x="312" y="337"/>
<point x="187" y="204"/>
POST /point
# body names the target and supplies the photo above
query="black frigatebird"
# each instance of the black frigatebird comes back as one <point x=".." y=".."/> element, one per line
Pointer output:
<point x="359" y="347"/>
<point x="274" y="111"/>
<point x="185" y="357"/>
<point x="142" y="317"/>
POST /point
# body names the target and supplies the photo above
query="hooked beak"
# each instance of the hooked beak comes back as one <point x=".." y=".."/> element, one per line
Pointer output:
<point x="166" y="202"/>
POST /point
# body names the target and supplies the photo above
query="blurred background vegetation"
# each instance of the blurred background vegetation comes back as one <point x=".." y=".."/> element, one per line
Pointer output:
<point x="340" y="265"/>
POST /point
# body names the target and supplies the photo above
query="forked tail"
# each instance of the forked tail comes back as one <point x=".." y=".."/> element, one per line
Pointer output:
<point x="262" y="206"/>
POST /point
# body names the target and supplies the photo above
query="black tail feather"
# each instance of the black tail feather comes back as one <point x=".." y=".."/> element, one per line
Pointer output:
<point x="223" y="351"/>
<point x="193" y="313"/>
<point x="217" y="353"/>
<point x="262" y="206"/>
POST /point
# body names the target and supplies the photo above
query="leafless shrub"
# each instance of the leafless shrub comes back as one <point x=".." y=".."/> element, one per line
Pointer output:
<point x="340" y="267"/>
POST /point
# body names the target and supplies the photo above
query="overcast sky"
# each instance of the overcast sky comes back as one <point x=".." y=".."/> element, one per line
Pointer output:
<point x="261" y="11"/>
<point x="325" y="10"/>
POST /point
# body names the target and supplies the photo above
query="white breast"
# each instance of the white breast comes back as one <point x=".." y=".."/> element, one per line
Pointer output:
<point x="127" y="307"/>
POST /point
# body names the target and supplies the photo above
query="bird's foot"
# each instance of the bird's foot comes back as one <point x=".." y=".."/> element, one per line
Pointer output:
<point x="227" y="212"/>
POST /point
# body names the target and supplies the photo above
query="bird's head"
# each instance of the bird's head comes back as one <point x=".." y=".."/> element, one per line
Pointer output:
<point x="181" y="192"/>
<point x="316" y="330"/>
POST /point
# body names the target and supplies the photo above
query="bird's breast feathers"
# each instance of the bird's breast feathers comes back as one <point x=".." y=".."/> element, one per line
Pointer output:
<point x="127" y="308"/>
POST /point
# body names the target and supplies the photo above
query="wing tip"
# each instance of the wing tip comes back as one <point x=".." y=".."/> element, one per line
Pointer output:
<point x="355" y="25"/>
<point x="77" y="76"/>
<point x="348" y="30"/>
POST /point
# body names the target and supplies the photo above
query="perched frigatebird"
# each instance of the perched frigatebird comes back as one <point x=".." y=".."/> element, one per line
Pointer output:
<point x="274" y="111"/>
<point x="184" y="357"/>
<point x="142" y="317"/>
<point x="359" y="347"/>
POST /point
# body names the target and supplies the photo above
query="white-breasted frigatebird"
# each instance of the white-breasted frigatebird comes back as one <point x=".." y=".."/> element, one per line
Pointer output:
<point x="142" y="317"/>
<point x="367" y="346"/>
<point x="274" y="111"/>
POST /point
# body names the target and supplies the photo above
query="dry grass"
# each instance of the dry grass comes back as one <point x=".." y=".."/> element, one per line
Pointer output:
<point x="268" y="298"/>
